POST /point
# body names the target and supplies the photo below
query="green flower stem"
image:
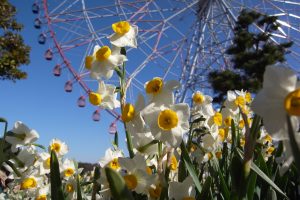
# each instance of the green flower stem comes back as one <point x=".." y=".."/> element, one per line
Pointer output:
<point x="123" y="100"/>
<point x="159" y="149"/>
<point x="129" y="142"/>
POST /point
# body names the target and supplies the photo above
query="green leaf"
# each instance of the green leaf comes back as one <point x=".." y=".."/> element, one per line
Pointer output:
<point x="117" y="185"/>
<point x="96" y="186"/>
<point x="85" y="183"/>
<point x="56" y="184"/>
<point x="3" y="120"/>
<point x="2" y="155"/>
<point x="14" y="168"/>
<point x="181" y="170"/>
<point x="190" y="167"/>
<point x="79" y="196"/>
<point x="279" y="149"/>
<point x="251" y="184"/>
<point x="40" y="146"/>
<point x="263" y="166"/>
<point x="254" y="130"/>
<point x="165" y="185"/>
<point x="2" y="142"/>
<point x="164" y="193"/>
<point x="272" y="195"/>
<point x="266" y="178"/>
<point x="146" y="146"/>
<point x="123" y="51"/>
<point x="237" y="180"/>
<point x="234" y="136"/>
<point x="116" y="140"/>
<point x="258" y="171"/>
<point x="200" y="119"/>
<point x="206" y="188"/>
<point x="223" y="185"/>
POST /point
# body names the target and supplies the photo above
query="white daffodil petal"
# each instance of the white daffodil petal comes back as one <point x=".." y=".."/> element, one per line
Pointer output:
<point x="128" y="39"/>
<point x="116" y="60"/>
<point x="231" y="96"/>
<point x="183" y="112"/>
<point x="278" y="81"/>
<point x="166" y="97"/>
<point x="140" y="103"/>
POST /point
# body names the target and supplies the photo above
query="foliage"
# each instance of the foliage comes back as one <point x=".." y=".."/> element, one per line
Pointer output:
<point x="251" y="52"/>
<point x="13" y="51"/>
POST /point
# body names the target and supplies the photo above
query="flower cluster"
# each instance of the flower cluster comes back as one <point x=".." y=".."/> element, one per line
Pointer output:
<point x="174" y="148"/>
<point x="30" y="169"/>
<point x="105" y="60"/>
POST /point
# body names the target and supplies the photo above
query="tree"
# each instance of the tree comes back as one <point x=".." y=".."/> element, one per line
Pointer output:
<point x="13" y="51"/>
<point x="250" y="52"/>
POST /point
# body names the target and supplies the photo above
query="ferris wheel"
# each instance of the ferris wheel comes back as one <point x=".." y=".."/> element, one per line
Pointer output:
<point x="178" y="39"/>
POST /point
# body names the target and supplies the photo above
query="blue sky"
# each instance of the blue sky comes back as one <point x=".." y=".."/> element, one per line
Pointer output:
<point x="41" y="102"/>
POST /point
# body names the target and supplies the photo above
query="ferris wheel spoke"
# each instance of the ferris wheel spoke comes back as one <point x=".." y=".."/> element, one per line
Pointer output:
<point x="287" y="2"/>
<point x="230" y="16"/>
<point x="70" y="5"/>
<point x="69" y="30"/>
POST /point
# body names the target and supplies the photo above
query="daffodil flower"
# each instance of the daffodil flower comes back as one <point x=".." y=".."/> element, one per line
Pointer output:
<point x="21" y="136"/>
<point x="27" y="156"/>
<point x="131" y="115"/>
<point x="43" y="163"/>
<point x="215" y="120"/>
<point x="71" y="188"/>
<point x="103" y="61"/>
<point x="42" y="193"/>
<point x="139" y="142"/>
<point x="227" y="117"/>
<point x="105" y="97"/>
<point x="59" y="147"/>
<point x="202" y="105"/>
<point x="125" y="34"/>
<point x="68" y="168"/>
<point x="182" y="191"/>
<point x="208" y="142"/>
<point x="279" y="97"/>
<point x="30" y="181"/>
<point x="168" y="124"/>
<point x="137" y="178"/>
<point x="111" y="159"/>
<point x="237" y="99"/>
<point x="160" y="92"/>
